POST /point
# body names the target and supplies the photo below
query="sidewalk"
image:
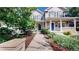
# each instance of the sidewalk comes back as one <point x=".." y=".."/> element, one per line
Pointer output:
<point x="39" y="44"/>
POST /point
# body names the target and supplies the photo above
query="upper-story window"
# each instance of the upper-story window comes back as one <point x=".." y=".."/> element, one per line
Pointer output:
<point x="36" y="17"/>
<point x="60" y="14"/>
<point x="52" y="14"/>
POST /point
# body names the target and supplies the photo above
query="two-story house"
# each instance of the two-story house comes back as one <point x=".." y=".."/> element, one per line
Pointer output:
<point x="57" y="19"/>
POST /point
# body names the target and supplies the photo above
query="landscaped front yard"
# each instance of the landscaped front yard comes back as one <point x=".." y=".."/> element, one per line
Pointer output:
<point x="62" y="42"/>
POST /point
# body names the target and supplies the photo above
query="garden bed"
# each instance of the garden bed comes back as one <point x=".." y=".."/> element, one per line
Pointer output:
<point x="62" y="42"/>
<point x="56" y="47"/>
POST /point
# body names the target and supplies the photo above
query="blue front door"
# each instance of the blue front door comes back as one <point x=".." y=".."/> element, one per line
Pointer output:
<point x="52" y="26"/>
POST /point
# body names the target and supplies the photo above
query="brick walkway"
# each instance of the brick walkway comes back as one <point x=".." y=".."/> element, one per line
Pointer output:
<point x="39" y="43"/>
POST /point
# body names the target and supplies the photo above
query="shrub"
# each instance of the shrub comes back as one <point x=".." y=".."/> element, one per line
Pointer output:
<point x="50" y="35"/>
<point x="44" y="31"/>
<point x="5" y="33"/>
<point x="67" y="33"/>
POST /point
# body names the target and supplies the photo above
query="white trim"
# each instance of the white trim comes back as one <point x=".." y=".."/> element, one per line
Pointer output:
<point x="75" y="24"/>
<point x="54" y="26"/>
<point x="54" y="7"/>
<point x="60" y="25"/>
<point x="50" y="25"/>
<point x="69" y="18"/>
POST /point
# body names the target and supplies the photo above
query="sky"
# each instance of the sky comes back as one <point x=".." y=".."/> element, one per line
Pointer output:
<point x="42" y="8"/>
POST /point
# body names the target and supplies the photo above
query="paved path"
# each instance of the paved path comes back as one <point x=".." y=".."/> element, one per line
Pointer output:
<point x="39" y="43"/>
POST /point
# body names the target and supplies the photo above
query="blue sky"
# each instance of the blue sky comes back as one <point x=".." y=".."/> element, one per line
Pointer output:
<point x="42" y="8"/>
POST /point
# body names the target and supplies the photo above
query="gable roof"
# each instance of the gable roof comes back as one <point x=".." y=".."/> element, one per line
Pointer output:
<point x="42" y="8"/>
<point x="62" y="8"/>
<point x="39" y="11"/>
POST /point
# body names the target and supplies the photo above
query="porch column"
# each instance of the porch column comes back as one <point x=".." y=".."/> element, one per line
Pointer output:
<point x="45" y="25"/>
<point x="54" y="26"/>
<point x="50" y="25"/>
<point x="75" y="24"/>
<point x="61" y="25"/>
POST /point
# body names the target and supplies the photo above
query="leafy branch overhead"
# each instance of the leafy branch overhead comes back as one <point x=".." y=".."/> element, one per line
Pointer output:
<point x="74" y="12"/>
<point x="17" y="16"/>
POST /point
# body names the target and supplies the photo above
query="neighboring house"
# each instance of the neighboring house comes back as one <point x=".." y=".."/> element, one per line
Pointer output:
<point x="57" y="19"/>
<point x="37" y="16"/>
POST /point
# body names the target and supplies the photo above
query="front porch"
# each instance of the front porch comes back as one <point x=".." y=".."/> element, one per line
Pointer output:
<point x="62" y="24"/>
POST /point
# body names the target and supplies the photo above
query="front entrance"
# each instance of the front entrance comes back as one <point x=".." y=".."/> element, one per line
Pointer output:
<point x="52" y="26"/>
<point x="39" y="27"/>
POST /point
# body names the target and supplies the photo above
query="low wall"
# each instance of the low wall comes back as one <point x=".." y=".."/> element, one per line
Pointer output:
<point x="70" y="29"/>
<point x="19" y="44"/>
<point x="13" y="45"/>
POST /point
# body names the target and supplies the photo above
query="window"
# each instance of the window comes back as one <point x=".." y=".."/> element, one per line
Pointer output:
<point x="54" y="14"/>
<point x="71" y="24"/>
<point x="51" y="14"/>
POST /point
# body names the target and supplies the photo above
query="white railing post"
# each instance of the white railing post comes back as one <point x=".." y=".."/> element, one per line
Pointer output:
<point x="75" y="24"/>
<point x="61" y="25"/>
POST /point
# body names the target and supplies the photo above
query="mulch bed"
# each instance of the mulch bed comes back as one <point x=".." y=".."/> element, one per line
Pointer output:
<point x="29" y="39"/>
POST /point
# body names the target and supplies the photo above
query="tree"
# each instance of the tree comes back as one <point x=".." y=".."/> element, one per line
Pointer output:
<point x="17" y="17"/>
<point x="74" y="12"/>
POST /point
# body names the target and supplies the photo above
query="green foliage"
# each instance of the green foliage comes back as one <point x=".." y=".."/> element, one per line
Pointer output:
<point x="50" y="35"/>
<point x="74" y="12"/>
<point x="5" y="34"/>
<point x="75" y="37"/>
<point x="17" y="16"/>
<point x="67" y="33"/>
<point x="44" y="31"/>
<point x="31" y="24"/>
<point x="4" y="31"/>
<point x="66" y="42"/>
